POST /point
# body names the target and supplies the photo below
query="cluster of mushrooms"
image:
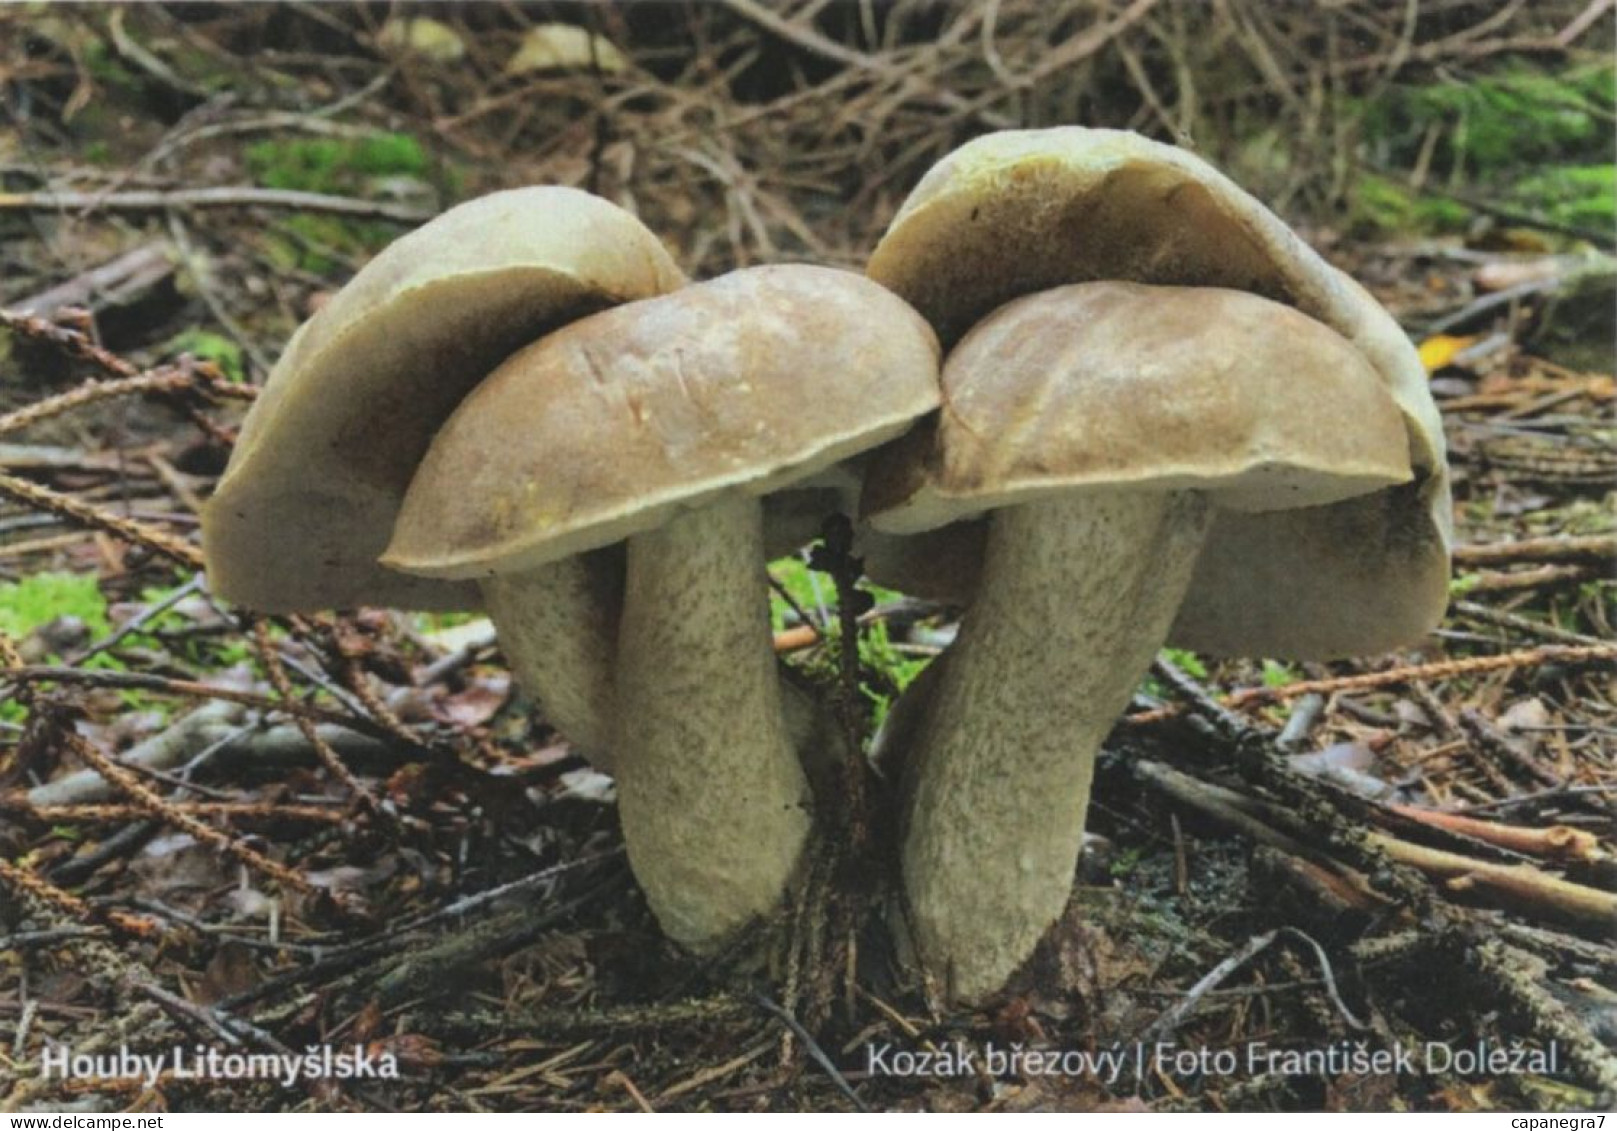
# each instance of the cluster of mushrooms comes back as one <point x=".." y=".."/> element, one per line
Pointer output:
<point x="1159" y="417"/>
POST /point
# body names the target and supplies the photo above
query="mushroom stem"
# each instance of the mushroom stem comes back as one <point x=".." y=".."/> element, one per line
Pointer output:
<point x="557" y="626"/>
<point x="714" y="803"/>
<point x="1076" y="596"/>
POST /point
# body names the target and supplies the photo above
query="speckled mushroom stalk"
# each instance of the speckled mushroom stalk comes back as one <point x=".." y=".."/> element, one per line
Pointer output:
<point x="715" y="804"/>
<point x="557" y="628"/>
<point x="664" y="424"/>
<point x="1076" y="595"/>
<point x="721" y="747"/>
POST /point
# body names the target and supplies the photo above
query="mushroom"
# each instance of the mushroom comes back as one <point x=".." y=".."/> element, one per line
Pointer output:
<point x="1102" y="424"/>
<point x="662" y="424"/>
<point x="1309" y="559"/>
<point x="1016" y="212"/>
<point x="309" y="499"/>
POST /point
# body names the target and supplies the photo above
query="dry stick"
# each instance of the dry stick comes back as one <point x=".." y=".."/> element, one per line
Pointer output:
<point x="1505" y="971"/>
<point x="322" y="749"/>
<point x="1487" y="738"/>
<point x="1539" y="578"/>
<point x="154" y="805"/>
<point x="1175" y="1016"/>
<point x="121" y="282"/>
<point x="796" y="638"/>
<point x="1225" y="806"/>
<point x="68" y="905"/>
<point x="1473" y="611"/>
<point x="1519" y="885"/>
<point x="1443" y="669"/>
<point x="224" y="196"/>
<point x="157" y="381"/>
<point x="140" y="533"/>
<point x="1594" y="547"/>
<point x="811" y="41"/>
<point x="242" y="810"/>
<point x="1557" y="842"/>
<point x="78" y="345"/>
<point x="142" y="681"/>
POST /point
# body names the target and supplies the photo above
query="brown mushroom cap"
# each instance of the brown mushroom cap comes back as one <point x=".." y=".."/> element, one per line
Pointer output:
<point x="751" y="382"/>
<point x="1017" y="212"/>
<point x="309" y="499"/>
<point x="1105" y="387"/>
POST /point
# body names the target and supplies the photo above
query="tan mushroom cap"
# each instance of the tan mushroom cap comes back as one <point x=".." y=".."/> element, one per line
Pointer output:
<point x="1017" y="212"/>
<point x="309" y="499"/>
<point x="1106" y="387"/>
<point x="751" y="382"/>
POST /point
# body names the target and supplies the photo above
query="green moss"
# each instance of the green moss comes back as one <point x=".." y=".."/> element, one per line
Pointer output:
<point x="1187" y="662"/>
<point x="317" y="244"/>
<point x="334" y="165"/>
<point x="43" y="597"/>
<point x="428" y="623"/>
<point x="207" y="346"/>
<point x="806" y="587"/>
<point x="1580" y="195"/>
<point x="1538" y="142"/>
<point x="337" y="166"/>
<point x="1514" y="118"/>
<point x="1276" y="674"/>
<point x="877" y="652"/>
<point x="1381" y="205"/>
<point x="37" y="600"/>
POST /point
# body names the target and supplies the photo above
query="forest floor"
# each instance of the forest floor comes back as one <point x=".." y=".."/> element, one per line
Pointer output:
<point x="270" y="834"/>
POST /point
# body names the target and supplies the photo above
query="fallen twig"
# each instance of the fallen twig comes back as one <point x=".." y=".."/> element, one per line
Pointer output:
<point x="156" y="806"/>
<point x="1520" y="886"/>
<point x="229" y="810"/>
<point x="1591" y="548"/>
<point x="143" y="681"/>
<point x="231" y="196"/>
<point x="1506" y="971"/>
<point x="1392" y="677"/>
<point x="65" y="904"/>
<point x="1171" y="1019"/>
<point x="1487" y="614"/>
<point x="142" y="534"/>
<point x="329" y="758"/>
<point x="1541" y="577"/>
<point x="1557" y="842"/>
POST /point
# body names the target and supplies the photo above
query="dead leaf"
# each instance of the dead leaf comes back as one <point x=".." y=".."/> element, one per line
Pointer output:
<point x="563" y="47"/>
<point x="476" y="704"/>
<point x="230" y="971"/>
<point x="421" y="36"/>
<point x="1440" y="350"/>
